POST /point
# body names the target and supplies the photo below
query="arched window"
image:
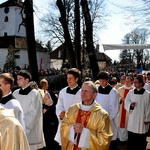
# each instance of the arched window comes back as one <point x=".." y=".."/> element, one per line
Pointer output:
<point x="6" y="19"/>
<point x="6" y="10"/>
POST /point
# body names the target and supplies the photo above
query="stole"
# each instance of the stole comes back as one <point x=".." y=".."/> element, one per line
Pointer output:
<point x="83" y="117"/>
<point x="123" y="112"/>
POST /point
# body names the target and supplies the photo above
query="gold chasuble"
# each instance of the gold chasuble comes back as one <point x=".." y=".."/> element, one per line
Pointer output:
<point x="83" y="117"/>
<point x="12" y="135"/>
<point x="97" y="131"/>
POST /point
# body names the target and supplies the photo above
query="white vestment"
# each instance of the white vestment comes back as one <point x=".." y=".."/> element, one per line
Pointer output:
<point x="32" y="107"/>
<point x="65" y="100"/>
<point x="146" y="85"/>
<point x="110" y="102"/>
<point x="19" y="114"/>
<point x="140" y="113"/>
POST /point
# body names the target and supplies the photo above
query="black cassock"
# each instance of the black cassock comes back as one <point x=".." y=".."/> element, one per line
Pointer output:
<point x="50" y="124"/>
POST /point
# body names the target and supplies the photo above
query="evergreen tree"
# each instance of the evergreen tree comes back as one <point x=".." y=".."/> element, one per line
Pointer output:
<point x="10" y="59"/>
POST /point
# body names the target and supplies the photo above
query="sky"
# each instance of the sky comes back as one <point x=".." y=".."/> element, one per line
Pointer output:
<point x="117" y="27"/>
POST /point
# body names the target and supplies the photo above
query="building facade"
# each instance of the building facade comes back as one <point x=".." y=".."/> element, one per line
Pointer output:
<point x="13" y="32"/>
<point x="57" y="58"/>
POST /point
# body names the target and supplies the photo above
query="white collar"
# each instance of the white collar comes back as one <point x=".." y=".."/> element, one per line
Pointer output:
<point x="73" y="87"/>
<point x="87" y="107"/>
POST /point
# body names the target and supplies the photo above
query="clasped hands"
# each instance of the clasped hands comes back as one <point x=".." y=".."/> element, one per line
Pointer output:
<point x="78" y="127"/>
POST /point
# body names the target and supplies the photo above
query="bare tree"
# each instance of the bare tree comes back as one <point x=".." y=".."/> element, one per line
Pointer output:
<point x="77" y="33"/>
<point x="75" y="22"/>
<point x="28" y="5"/>
<point x="138" y="12"/>
<point x="146" y="57"/>
<point x="140" y="56"/>
<point x="63" y="20"/>
<point x="48" y="46"/>
<point x="40" y="42"/>
<point x="50" y="25"/>
<point x="89" y="38"/>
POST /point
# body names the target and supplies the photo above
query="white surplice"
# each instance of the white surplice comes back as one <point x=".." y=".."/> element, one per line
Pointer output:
<point x="32" y="107"/>
<point x="65" y="100"/>
<point x="140" y="113"/>
<point x="110" y="102"/>
<point x="19" y="114"/>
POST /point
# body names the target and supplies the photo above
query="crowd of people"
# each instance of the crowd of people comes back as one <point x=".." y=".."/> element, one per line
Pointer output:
<point x="94" y="115"/>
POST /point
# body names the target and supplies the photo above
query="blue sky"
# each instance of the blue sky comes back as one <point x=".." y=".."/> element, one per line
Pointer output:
<point x="116" y="28"/>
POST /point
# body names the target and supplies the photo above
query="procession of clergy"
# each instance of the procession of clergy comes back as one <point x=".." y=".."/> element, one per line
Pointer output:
<point x="94" y="116"/>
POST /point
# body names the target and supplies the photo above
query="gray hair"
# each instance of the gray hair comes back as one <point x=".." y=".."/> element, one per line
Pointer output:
<point x="92" y="85"/>
<point x="33" y="84"/>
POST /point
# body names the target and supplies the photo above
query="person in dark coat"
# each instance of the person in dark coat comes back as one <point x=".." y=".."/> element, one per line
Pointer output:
<point x="50" y="120"/>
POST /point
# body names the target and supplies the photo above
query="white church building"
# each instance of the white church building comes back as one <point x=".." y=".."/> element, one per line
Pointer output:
<point x="12" y="32"/>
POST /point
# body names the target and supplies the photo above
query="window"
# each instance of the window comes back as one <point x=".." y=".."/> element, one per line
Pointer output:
<point x="5" y="34"/>
<point x="6" y="19"/>
<point x="6" y="10"/>
<point x="17" y="53"/>
<point x="17" y="56"/>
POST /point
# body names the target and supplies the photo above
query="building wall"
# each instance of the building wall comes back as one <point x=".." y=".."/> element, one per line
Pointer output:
<point x="18" y="20"/>
<point x="102" y="64"/>
<point x="11" y="27"/>
<point x="43" y="59"/>
<point x="56" y="63"/>
<point x="40" y="55"/>
<point x="3" y="54"/>
<point x="23" y="60"/>
<point x="14" y="19"/>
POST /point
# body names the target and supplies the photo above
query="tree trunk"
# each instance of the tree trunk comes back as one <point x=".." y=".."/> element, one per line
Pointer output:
<point x="33" y="68"/>
<point x="63" y="21"/>
<point x="77" y="34"/>
<point x="89" y="39"/>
